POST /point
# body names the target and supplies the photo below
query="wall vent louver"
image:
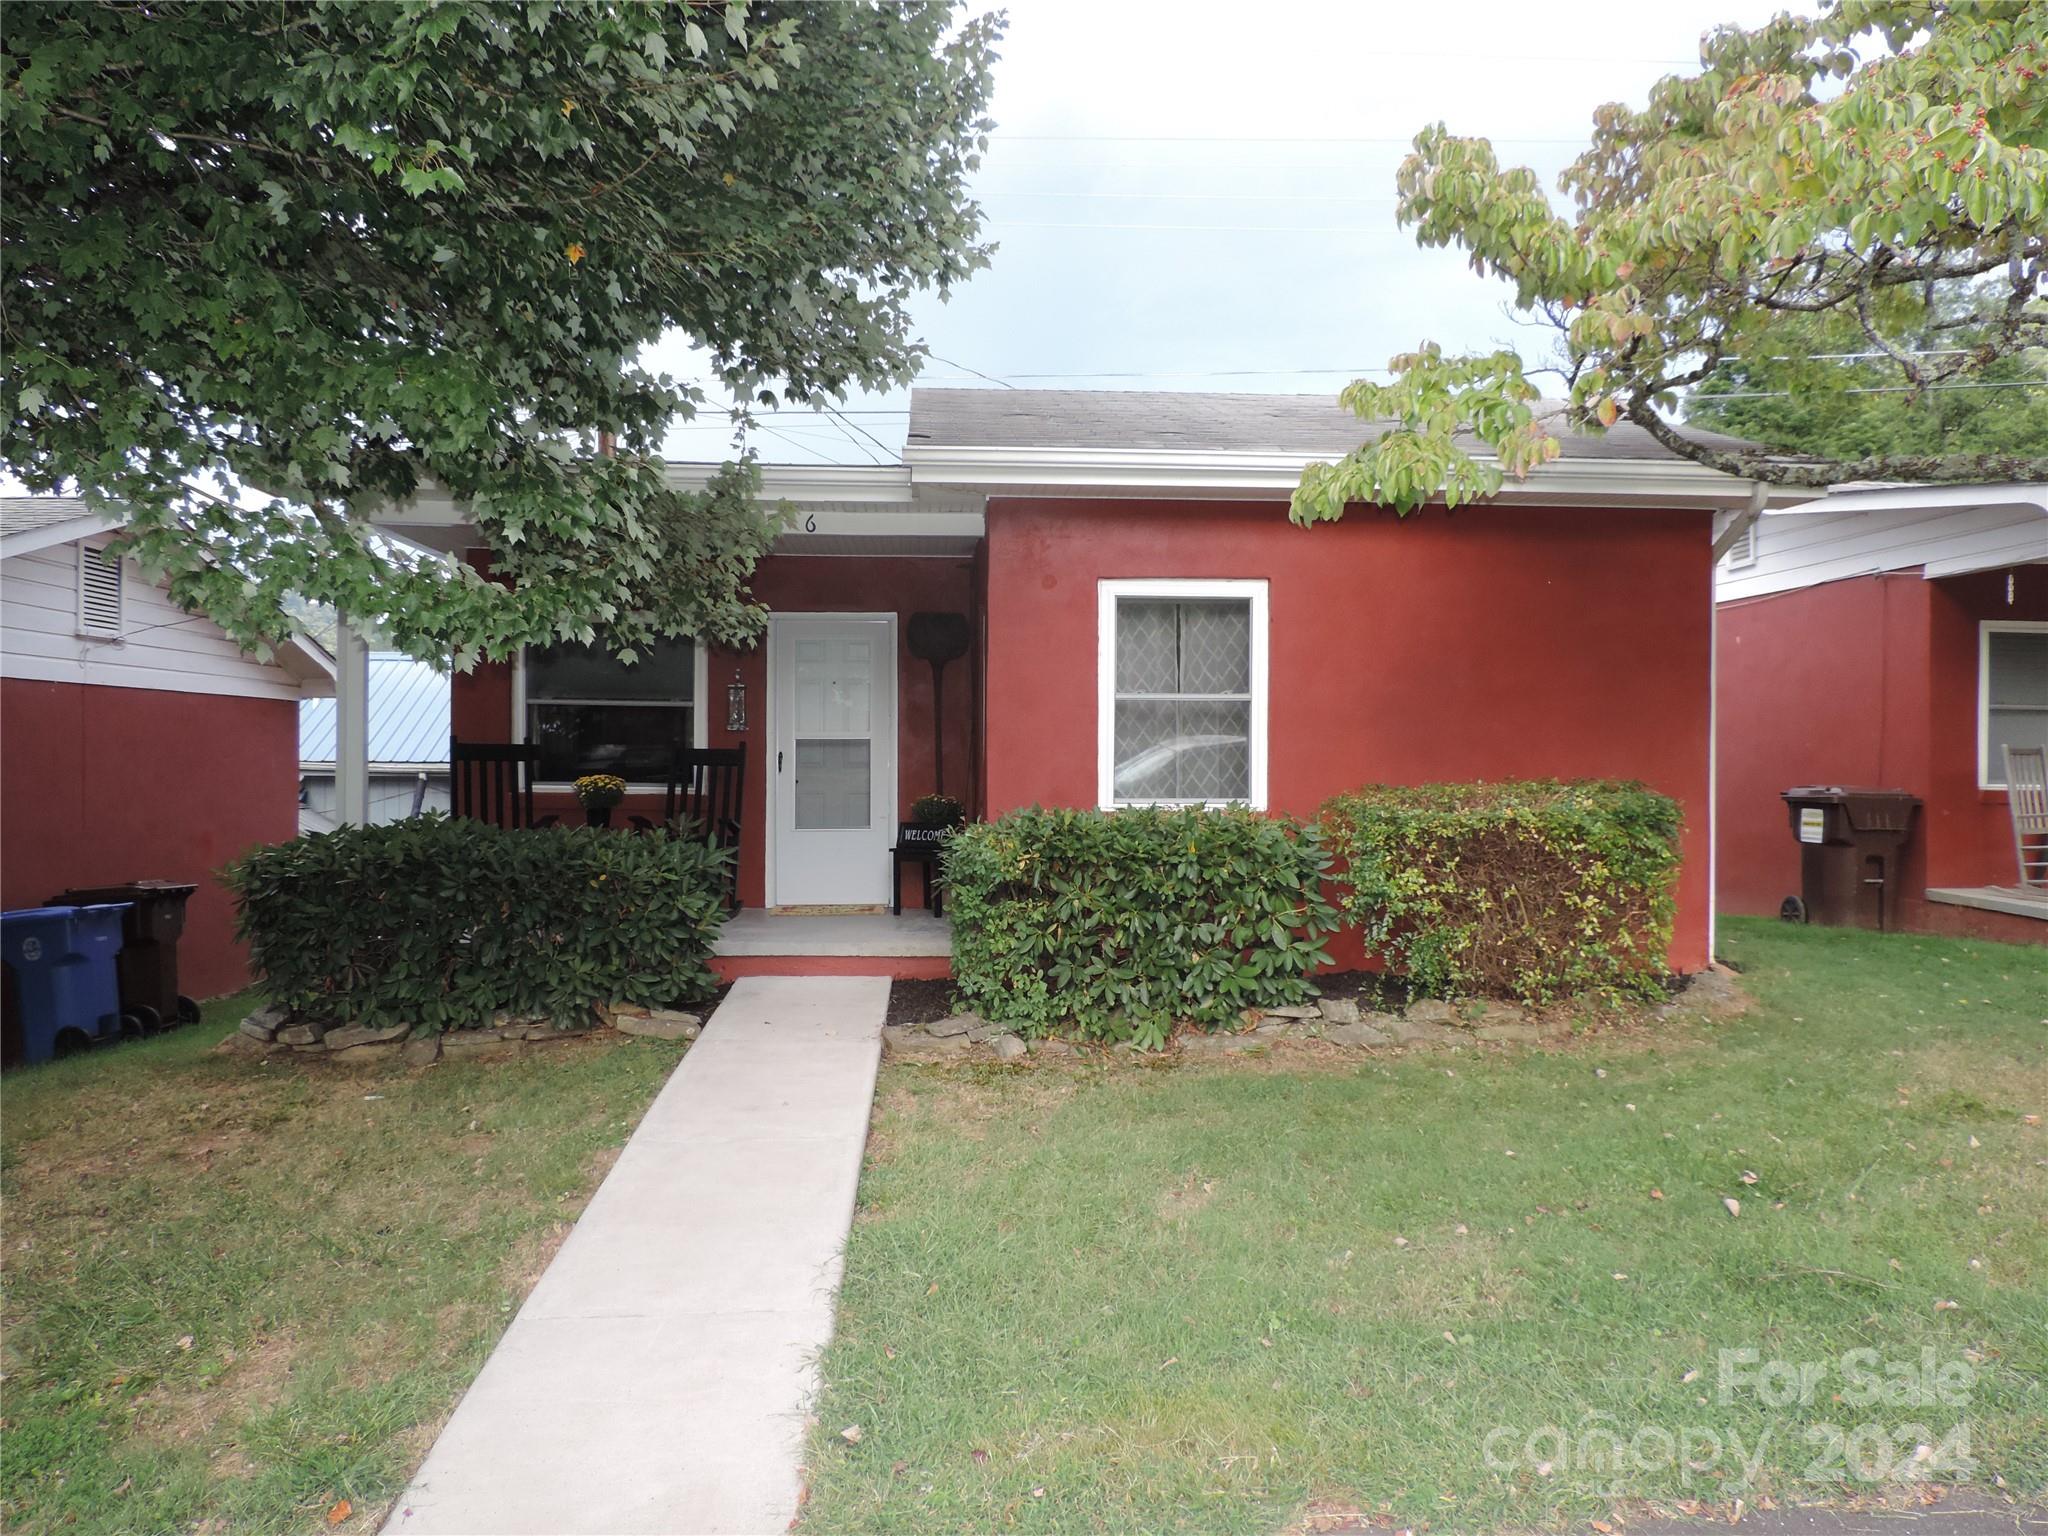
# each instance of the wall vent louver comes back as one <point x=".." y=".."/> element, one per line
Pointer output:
<point x="99" y="593"/>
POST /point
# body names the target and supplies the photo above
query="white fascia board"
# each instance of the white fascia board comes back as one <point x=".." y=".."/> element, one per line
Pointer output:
<point x="30" y="540"/>
<point x="306" y="660"/>
<point x="1090" y="472"/>
<point x="1922" y="498"/>
<point x="882" y="486"/>
<point x="801" y="483"/>
<point x="891" y="522"/>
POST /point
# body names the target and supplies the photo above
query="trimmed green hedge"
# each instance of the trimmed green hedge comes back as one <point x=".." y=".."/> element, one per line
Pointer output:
<point x="1116" y="925"/>
<point x="1533" y="890"/>
<point x="443" y="923"/>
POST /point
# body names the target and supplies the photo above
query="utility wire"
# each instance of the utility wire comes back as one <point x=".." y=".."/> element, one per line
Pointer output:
<point x="1872" y="389"/>
<point x="807" y="448"/>
<point x="975" y="371"/>
<point x="863" y="431"/>
<point x="1187" y="197"/>
<point x="1218" y="229"/>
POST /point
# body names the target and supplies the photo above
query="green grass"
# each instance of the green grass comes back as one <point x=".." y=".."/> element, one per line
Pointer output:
<point x="238" y="1292"/>
<point x="1118" y="1299"/>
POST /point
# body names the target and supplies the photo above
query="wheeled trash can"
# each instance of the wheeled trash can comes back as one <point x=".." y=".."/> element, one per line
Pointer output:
<point x="61" y="994"/>
<point x="148" y="966"/>
<point x="1851" y="845"/>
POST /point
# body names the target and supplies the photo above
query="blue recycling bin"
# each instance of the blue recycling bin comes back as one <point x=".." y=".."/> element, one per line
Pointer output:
<point x="61" y="983"/>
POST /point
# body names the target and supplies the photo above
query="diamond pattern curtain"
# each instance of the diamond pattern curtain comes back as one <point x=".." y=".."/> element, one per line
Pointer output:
<point x="1183" y="709"/>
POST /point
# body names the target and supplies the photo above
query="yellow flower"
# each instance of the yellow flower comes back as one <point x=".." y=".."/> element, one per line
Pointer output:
<point x="575" y="253"/>
<point x="568" y="106"/>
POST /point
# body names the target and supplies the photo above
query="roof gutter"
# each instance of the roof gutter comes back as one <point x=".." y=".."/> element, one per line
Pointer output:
<point x="1242" y="475"/>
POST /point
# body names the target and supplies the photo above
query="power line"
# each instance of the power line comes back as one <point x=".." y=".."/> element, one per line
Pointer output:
<point x="863" y="431"/>
<point x="975" y="371"/>
<point x="1217" y="229"/>
<point x="785" y="436"/>
<point x="1869" y="389"/>
<point x="1356" y="370"/>
<point x="1207" y="373"/>
<point x="1243" y="138"/>
<point x="1184" y="197"/>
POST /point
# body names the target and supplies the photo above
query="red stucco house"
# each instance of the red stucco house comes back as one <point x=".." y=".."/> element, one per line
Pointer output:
<point x="137" y="742"/>
<point x="1895" y="637"/>
<point x="1148" y="625"/>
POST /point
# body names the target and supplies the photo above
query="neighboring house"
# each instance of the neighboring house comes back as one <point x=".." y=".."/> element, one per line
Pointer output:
<point x="408" y="745"/>
<point x="136" y="740"/>
<point x="1148" y="626"/>
<point x="1895" y="637"/>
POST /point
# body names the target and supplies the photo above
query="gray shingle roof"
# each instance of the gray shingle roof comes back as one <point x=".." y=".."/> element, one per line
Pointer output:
<point x="408" y="707"/>
<point x="1197" y="423"/>
<point x="25" y="514"/>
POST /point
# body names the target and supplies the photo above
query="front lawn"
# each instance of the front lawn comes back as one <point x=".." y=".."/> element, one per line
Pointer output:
<point x="1236" y="1297"/>
<point x="239" y="1293"/>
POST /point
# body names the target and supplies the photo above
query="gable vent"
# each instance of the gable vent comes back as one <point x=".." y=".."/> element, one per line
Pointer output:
<point x="99" y="593"/>
<point x="1742" y="553"/>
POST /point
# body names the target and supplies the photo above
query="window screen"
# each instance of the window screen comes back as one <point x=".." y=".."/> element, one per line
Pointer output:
<point x="2015" y="695"/>
<point x="1183" y="699"/>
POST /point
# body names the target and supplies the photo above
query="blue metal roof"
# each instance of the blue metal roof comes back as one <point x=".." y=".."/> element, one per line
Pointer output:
<point x="409" y="719"/>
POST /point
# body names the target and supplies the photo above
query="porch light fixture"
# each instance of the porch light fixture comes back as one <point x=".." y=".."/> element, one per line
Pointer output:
<point x="736" y="704"/>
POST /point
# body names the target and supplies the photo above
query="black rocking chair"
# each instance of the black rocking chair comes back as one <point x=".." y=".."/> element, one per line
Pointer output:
<point x="706" y="788"/>
<point x="492" y="782"/>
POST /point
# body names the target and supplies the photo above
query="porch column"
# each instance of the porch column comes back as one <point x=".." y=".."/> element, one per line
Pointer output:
<point x="351" y="724"/>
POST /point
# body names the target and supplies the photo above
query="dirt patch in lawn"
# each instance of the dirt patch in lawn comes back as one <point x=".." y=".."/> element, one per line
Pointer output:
<point x="964" y="1100"/>
<point x="254" y="1381"/>
<point x="1187" y="1195"/>
<point x="1334" y="1517"/>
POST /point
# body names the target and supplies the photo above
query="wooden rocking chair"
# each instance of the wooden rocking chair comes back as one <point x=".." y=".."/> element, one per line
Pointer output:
<point x="2026" y="785"/>
<point x="492" y="781"/>
<point x="706" y="787"/>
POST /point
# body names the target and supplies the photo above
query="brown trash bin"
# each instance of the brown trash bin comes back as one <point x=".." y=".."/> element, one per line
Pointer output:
<point x="1851" y="845"/>
<point x="148" y="962"/>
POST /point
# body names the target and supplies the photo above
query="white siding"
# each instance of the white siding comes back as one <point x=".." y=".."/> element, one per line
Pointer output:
<point x="1804" y="549"/>
<point x="162" y="647"/>
<point x="390" y="796"/>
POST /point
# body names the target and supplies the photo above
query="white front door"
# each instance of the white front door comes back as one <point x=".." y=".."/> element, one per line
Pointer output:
<point x="832" y="692"/>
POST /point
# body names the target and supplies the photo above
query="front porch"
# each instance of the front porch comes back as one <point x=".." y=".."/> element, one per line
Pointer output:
<point x="2013" y="900"/>
<point x="759" y="941"/>
<point x="862" y="695"/>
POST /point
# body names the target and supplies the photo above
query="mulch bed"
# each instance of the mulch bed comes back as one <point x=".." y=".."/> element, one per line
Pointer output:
<point x="920" y="1002"/>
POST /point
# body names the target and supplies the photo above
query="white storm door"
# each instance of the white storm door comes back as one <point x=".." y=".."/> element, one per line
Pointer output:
<point x="834" y="701"/>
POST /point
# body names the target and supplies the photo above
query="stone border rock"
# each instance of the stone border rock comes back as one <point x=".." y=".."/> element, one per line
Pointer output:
<point x="1429" y="1024"/>
<point x="270" y="1031"/>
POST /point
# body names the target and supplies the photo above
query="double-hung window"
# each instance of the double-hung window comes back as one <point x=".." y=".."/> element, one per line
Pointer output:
<point x="589" y="712"/>
<point x="2012" y="693"/>
<point x="1181" y="716"/>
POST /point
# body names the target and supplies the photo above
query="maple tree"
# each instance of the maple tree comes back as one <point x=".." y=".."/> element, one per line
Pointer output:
<point x="270" y="266"/>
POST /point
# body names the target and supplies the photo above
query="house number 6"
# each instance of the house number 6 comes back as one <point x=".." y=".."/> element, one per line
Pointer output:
<point x="810" y="522"/>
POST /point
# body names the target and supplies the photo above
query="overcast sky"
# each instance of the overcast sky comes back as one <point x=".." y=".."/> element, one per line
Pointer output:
<point x="1199" y="195"/>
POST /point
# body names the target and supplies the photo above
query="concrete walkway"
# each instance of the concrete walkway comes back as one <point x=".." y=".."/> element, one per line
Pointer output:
<point x="658" y="1378"/>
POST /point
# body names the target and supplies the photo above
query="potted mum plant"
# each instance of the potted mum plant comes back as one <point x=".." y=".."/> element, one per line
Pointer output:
<point x="931" y="818"/>
<point x="600" y="794"/>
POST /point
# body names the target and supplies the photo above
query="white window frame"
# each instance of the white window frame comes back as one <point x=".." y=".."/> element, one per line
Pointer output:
<point x="1107" y="596"/>
<point x="1985" y="630"/>
<point x="700" y="718"/>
